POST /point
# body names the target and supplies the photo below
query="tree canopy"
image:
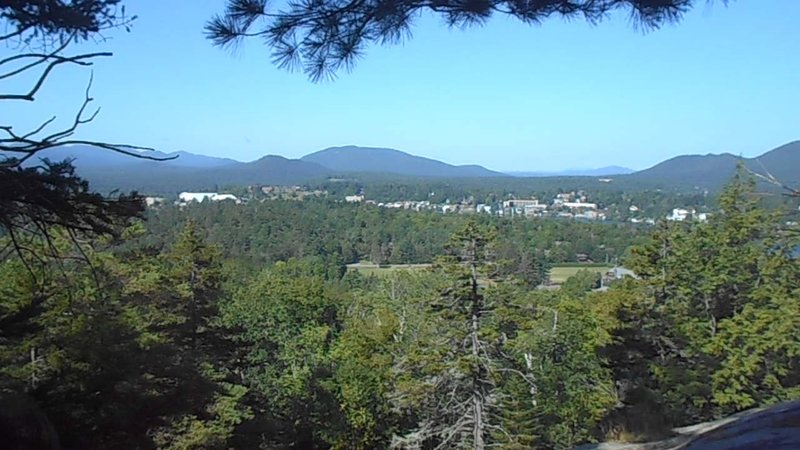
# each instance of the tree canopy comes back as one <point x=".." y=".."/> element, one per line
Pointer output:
<point x="323" y="36"/>
<point x="179" y="343"/>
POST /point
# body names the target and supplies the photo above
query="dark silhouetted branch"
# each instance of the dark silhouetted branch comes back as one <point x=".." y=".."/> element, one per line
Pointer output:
<point x="79" y="60"/>
<point x="324" y="36"/>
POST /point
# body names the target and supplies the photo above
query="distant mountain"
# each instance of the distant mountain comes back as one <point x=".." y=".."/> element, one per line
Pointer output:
<point x="187" y="159"/>
<point x="714" y="171"/>
<point x="782" y="162"/>
<point x="162" y="178"/>
<point x="601" y="172"/>
<point x="695" y="170"/>
<point x="352" y="159"/>
<point x="270" y="169"/>
<point x="108" y="171"/>
<point x="85" y="156"/>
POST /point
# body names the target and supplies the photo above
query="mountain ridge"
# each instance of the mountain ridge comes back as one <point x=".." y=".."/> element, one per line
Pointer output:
<point x="715" y="170"/>
<point x="108" y="171"/>
<point x="353" y="159"/>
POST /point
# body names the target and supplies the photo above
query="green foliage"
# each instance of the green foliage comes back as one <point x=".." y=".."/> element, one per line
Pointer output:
<point x="715" y="320"/>
<point x="759" y="347"/>
<point x="518" y="417"/>
<point x="192" y="432"/>
<point x="583" y="281"/>
<point x="271" y="231"/>
<point x="572" y="388"/>
<point x="67" y="332"/>
<point x="287" y="319"/>
<point x="177" y="343"/>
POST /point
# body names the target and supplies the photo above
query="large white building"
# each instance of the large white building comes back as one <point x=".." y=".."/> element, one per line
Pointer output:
<point x="188" y="197"/>
<point x="579" y="205"/>
<point x="527" y="207"/>
<point x="354" y="198"/>
<point x="532" y="203"/>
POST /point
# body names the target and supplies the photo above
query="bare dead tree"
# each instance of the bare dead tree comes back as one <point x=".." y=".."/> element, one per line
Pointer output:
<point x="323" y="36"/>
<point x="769" y="178"/>
<point x="791" y="229"/>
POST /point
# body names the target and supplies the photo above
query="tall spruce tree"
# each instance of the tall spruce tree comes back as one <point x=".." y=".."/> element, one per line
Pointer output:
<point x="463" y="388"/>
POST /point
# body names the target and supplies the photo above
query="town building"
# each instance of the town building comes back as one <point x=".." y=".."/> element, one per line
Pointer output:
<point x="189" y="197"/>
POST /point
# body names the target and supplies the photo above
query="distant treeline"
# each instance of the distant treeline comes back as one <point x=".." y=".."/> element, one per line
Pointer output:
<point x="276" y="230"/>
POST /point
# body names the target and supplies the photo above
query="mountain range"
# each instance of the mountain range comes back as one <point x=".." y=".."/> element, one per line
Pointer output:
<point x="109" y="171"/>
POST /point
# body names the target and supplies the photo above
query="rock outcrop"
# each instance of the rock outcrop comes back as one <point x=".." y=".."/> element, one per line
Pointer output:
<point x="773" y="428"/>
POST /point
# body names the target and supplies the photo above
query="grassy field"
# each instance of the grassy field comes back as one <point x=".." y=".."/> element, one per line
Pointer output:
<point x="560" y="274"/>
<point x="372" y="269"/>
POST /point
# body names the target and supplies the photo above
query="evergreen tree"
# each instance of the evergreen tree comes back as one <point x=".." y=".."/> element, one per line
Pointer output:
<point x="463" y="387"/>
<point x="518" y="418"/>
<point x="712" y="288"/>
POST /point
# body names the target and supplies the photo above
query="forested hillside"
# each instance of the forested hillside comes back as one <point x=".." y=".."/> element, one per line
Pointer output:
<point x="225" y="326"/>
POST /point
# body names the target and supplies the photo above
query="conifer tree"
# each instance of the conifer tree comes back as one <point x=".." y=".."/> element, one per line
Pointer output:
<point x="463" y="387"/>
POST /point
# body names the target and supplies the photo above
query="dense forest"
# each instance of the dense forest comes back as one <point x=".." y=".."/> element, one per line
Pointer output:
<point x="615" y="197"/>
<point x="276" y="230"/>
<point x="239" y="326"/>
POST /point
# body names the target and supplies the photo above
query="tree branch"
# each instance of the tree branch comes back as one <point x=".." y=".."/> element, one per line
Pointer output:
<point x="79" y="60"/>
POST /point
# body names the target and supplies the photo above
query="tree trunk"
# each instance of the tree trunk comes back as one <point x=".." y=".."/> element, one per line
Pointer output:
<point x="477" y="394"/>
<point x="477" y="398"/>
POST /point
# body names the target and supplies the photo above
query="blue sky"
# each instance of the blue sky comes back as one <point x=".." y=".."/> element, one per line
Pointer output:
<point x="506" y="95"/>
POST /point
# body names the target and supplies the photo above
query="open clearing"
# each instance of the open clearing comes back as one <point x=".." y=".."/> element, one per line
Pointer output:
<point x="558" y="275"/>
<point x="374" y="269"/>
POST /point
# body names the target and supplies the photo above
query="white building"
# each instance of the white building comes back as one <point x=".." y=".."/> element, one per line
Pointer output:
<point x="579" y="205"/>
<point x="188" y="197"/>
<point x="533" y="203"/>
<point x="591" y="215"/>
<point x="449" y="208"/>
<point x="152" y="201"/>
<point x="221" y="197"/>
<point x="527" y="207"/>
<point x="354" y="198"/>
<point x="618" y="273"/>
<point x="679" y="214"/>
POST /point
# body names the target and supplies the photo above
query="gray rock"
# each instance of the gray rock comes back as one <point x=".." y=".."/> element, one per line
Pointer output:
<point x="773" y="428"/>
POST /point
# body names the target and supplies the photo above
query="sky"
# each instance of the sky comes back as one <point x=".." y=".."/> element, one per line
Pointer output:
<point x="508" y="96"/>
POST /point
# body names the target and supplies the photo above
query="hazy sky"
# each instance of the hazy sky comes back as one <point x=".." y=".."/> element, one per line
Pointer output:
<point x="507" y="95"/>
